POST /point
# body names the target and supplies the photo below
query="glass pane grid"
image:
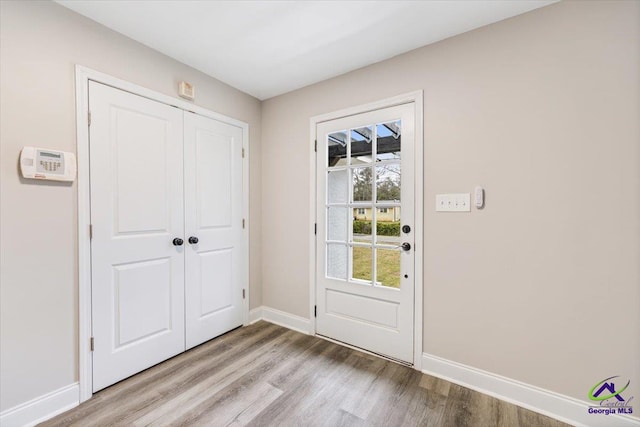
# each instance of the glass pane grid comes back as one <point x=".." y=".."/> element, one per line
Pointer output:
<point x="337" y="187"/>
<point x="360" y="244"/>
<point x="362" y="180"/>
<point x="388" y="141"/>
<point x="362" y="262"/>
<point x="385" y="162"/>
<point x="337" y="147"/>
<point x="337" y="224"/>
<point x="337" y="261"/>
<point x="360" y="146"/>
<point x="374" y="214"/>
<point x="388" y="268"/>
<point x="388" y="182"/>
<point x="369" y="159"/>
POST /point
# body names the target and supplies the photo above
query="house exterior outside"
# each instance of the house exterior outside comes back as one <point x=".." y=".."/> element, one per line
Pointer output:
<point x="383" y="214"/>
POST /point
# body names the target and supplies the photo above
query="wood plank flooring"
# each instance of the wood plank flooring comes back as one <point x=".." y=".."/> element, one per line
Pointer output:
<point x="266" y="375"/>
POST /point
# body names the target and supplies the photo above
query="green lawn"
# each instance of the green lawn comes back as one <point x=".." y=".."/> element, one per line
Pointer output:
<point x="388" y="266"/>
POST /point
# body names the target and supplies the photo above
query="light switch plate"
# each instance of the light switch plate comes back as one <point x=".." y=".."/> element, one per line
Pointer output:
<point x="460" y="202"/>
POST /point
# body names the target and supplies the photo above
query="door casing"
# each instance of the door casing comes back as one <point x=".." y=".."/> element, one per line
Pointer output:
<point x="82" y="77"/>
<point x="417" y="99"/>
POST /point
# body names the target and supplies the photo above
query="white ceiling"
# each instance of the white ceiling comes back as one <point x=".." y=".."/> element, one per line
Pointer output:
<point x="267" y="48"/>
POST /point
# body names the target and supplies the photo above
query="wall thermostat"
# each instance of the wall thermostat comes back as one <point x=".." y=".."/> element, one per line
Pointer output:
<point x="42" y="163"/>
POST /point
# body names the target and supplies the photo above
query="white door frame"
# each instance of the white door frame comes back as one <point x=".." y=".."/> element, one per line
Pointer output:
<point x="83" y="76"/>
<point x="417" y="99"/>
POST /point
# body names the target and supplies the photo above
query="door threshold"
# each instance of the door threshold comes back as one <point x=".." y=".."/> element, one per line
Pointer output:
<point x="382" y="356"/>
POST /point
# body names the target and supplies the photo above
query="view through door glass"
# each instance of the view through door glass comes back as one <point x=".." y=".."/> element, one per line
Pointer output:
<point x="363" y="204"/>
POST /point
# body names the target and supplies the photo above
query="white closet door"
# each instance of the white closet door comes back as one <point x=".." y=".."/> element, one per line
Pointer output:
<point x="213" y="216"/>
<point x="136" y="212"/>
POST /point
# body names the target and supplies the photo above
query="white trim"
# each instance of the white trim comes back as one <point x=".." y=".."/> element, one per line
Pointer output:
<point x="245" y="231"/>
<point x="281" y="318"/>
<point x="255" y="315"/>
<point x="545" y="402"/>
<point x="312" y="224"/>
<point x="85" y="368"/>
<point x="41" y="408"/>
<point x="418" y="314"/>
<point x="416" y="98"/>
<point x="83" y="76"/>
<point x="404" y="98"/>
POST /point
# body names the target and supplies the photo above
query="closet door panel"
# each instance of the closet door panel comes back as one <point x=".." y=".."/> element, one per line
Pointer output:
<point x="213" y="216"/>
<point x="137" y="209"/>
<point x="214" y="161"/>
<point x="216" y="281"/>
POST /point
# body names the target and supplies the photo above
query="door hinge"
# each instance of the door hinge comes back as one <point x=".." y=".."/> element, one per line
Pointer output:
<point x="242" y="222"/>
<point x="315" y="148"/>
<point x="243" y="153"/>
<point x="315" y="311"/>
<point x="89" y="117"/>
<point x="90" y="231"/>
<point x="244" y="295"/>
<point x="91" y="344"/>
<point x="315" y="228"/>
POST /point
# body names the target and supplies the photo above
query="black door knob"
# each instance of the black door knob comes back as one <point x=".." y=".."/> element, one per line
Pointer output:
<point x="406" y="246"/>
<point x="406" y="229"/>
<point x="193" y="240"/>
<point x="178" y="241"/>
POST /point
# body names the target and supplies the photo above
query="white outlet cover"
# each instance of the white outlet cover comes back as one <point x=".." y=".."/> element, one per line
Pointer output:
<point x="456" y="202"/>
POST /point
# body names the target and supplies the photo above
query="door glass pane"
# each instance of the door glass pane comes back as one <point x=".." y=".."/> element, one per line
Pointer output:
<point x="388" y="226"/>
<point x="387" y="183"/>
<point x="337" y="223"/>
<point x="362" y="224"/>
<point x="388" y="267"/>
<point x="368" y="192"/>
<point x="338" y="186"/>
<point x="362" y="179"/>
<point x="337" y="148"/>
<point x="361" y="145"/>
<point x="362" y="262"/>
<point x="388" y="141"/>
<point x="337" y="261"/>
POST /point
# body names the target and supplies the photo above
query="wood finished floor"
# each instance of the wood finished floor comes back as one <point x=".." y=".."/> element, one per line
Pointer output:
<point x="266" y="375"/>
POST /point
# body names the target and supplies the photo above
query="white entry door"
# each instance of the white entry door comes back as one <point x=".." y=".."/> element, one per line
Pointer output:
<point x="365" y="228"/>
<point x="137" y="211"/>
<point x="213" y="225"/>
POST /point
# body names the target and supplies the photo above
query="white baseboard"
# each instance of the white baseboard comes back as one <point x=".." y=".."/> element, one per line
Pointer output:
<point x="42" y="408"/>
<point x="545" y="402"/>
<point x="255" y="315"/>
<point x="281" y="318"/>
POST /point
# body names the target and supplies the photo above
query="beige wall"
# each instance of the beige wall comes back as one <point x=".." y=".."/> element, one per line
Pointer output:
<point x="40" y="44"/>
<point x="543" y="285"/>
